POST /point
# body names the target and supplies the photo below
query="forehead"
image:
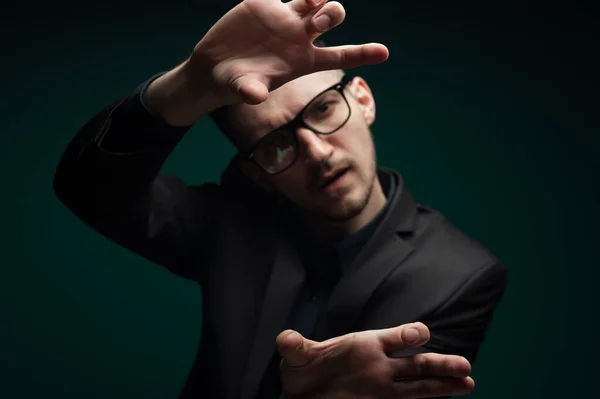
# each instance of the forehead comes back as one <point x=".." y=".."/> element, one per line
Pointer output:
<point x="282" y="105"/>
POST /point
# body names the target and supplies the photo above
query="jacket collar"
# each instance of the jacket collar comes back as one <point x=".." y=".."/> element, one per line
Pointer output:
<point x="401" y="214"/>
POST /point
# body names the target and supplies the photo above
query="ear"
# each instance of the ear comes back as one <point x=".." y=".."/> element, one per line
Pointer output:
<point x="364" y="97"/>
<point x="254" y="173"/>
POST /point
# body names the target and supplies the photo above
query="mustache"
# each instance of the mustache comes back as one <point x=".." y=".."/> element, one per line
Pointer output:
<point x="320" y="170"/>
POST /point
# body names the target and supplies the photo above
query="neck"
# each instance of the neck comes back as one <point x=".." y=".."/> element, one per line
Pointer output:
<point x="329" y="231"/>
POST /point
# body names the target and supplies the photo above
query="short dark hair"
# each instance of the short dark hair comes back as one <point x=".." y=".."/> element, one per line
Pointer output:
<point x="221" y="117"/>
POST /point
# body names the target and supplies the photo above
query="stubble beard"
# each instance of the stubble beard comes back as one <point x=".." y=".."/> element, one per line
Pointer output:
<point x="347" y="210"/>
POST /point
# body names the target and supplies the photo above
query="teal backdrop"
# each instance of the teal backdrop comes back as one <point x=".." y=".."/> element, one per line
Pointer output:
<point x="489" y="113"/>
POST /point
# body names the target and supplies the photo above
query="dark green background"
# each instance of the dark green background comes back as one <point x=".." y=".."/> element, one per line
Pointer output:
<point x="489" y="113"/>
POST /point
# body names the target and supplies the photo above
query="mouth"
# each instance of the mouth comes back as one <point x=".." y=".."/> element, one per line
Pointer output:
<point x="329" y="179"/>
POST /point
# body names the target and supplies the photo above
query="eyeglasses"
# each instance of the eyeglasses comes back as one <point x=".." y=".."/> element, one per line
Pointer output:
<point x="325" y="114"/>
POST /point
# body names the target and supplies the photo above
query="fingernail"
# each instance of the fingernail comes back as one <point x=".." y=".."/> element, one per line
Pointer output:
<point x="322" y="22"/>
<point x="411" y="335"/>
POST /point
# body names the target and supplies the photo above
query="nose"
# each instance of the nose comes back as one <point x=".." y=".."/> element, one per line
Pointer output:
<point x="314" y="147"/>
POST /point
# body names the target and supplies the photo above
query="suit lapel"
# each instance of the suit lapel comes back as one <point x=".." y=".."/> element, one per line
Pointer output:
<point x="284" y="284"/>
<point x="356" y="287"/>
<point x="383" y="253"/>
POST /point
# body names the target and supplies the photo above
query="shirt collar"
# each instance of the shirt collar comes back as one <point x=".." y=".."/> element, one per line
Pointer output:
<point x="347" y="249"/>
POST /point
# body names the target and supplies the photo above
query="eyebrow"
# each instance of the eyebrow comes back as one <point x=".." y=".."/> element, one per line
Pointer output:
<point x="295" y="115"/>
<point x="300" y="110"/>
<point x="271" y="129"/>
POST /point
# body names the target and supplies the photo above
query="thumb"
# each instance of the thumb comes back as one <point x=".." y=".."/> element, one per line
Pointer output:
<point x="406" y="336"/>
<point x="252" y="91"/>
<point x="294" y="348"/>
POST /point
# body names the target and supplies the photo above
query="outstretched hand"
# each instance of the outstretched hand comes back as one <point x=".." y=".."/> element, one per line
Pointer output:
<point x="260" y="45"/>
<point x="357" y="366"/>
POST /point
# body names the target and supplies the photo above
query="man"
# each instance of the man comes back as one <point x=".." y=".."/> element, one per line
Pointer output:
<point x="321" y="275"/>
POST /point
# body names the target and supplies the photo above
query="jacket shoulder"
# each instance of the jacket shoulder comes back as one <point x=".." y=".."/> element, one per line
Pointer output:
<point x="438" y="238"/>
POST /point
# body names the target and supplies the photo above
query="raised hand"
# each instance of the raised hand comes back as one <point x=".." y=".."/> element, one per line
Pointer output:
<point x="260" y="45"/>
<point x="357" y="366"/>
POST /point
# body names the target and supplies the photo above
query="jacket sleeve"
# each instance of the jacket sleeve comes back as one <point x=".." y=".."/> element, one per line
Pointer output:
<point x="109" y="177"/>
<point x="459" y="326"/>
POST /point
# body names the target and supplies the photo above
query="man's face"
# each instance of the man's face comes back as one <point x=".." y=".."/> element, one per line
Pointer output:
<point x="334" y="175"/>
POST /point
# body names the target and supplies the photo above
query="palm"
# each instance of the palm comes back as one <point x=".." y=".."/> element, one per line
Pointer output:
<point x="269" y="37"/>
<point x="340" y="368"/>
<point x="362" y="359"/>
<point x="279" y="31"/>
<point x="260" y="45"/>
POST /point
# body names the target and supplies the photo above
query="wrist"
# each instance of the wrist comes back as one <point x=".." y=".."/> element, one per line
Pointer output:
<point x="181" y="96"/>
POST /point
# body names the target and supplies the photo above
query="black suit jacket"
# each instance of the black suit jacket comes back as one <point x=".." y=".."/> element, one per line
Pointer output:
<point x="416" y="267"/>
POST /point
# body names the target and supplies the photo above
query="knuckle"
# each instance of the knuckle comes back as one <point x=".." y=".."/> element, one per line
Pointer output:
<point x="344" y="56"/>
<point x="405" y="369"/>
<point x="446" y="366"/>
<point x="420" y="365"/>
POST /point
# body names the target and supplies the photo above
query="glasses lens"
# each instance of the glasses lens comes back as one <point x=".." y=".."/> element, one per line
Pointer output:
<point x="277" y="151"/>
<point x="327" y="113"/>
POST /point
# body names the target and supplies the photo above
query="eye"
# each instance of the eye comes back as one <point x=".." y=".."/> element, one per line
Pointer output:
<point x="323" y="108"/>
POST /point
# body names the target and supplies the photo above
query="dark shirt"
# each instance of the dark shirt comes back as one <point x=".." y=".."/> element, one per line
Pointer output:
<point x="323" y="271"/>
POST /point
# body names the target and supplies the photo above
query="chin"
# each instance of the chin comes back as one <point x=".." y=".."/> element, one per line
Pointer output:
<point x="347" y="206"/>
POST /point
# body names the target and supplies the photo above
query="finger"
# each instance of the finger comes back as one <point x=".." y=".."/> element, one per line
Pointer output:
<point x="431" y="365"/>
<point x="294" y="348"/>
<point x="329" y="16"/>
<point x="406" y="336"/>
<point x="434" y="387"/>
<point x="349" y="56"/>
<point x="303" y="7"/>
<point x="250" y="90"/>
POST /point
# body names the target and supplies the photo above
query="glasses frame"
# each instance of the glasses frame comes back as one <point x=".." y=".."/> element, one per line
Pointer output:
<point x="298" y="122"/>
